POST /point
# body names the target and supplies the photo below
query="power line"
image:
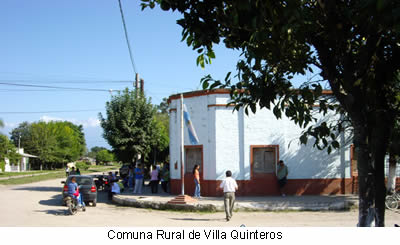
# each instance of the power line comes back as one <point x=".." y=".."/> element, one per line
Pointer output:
<point x="126" y="36"/>
<point x="34" y="112"/>
<point x="44" y="90"/>
<point x="60" y="82"/>
<point x="54" y="87"/>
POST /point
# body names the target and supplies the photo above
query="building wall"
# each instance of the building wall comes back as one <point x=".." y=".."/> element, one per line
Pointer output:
<point x="227" y="137"/>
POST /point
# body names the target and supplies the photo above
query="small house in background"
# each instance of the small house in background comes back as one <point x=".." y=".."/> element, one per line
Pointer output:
<point x="88" y="160"/>
<point x="22" y="165"/>
<point x="250" y="146"/>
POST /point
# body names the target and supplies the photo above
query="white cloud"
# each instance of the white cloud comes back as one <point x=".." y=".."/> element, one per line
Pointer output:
<point x="86" y="123"/>
<point x="10" y="125"/>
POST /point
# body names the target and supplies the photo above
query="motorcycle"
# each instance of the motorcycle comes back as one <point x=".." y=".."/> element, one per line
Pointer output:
<point x="74" y="203"/>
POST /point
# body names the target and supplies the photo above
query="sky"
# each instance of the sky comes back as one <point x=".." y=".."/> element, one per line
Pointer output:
<point x="81" y="44"/>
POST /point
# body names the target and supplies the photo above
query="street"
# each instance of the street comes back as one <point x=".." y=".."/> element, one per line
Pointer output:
<point x="39" y="204"/>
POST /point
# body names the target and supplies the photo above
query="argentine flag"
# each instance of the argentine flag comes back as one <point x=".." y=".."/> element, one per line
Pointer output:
<point x="192" y="133"/>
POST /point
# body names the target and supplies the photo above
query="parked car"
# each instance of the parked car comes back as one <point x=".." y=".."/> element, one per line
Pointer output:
<point x="87" y="188"/>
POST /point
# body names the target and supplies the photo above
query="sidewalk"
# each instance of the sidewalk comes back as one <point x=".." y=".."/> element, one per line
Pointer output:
<point x="243" y="203"/>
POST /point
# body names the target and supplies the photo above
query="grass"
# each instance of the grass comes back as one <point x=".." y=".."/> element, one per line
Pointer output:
<point x="8" y="174"/>
<point x="49" y="174"/>
<point x="31" y="179"/>
<point x="99" y="168"/>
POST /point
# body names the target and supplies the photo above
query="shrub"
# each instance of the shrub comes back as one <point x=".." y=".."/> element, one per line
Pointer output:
<point x="2" y="166"/>
<point x="82" y="166"/>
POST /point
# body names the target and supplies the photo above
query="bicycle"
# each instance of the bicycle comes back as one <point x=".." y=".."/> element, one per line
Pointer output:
<point x="392" y="201"/>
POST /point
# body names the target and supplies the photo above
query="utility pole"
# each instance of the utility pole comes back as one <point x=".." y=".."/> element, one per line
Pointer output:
<point x="142" y="85"/>
<point x="19" y="142"/>
<point x="137" y="84"/>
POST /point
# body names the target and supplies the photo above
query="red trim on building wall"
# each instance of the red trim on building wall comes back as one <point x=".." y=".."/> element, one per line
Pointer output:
<point x="198" y="93"/>
<point x="220" y="105"/>
<point x="216" y="91"/>
<point x="259" y="188"/>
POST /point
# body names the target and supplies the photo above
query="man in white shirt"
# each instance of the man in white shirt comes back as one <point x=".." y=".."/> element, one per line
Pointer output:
<point x="229" y="186"/>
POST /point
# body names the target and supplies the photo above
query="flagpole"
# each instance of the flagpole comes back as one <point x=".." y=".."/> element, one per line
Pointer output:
<point x="182" y="149"/>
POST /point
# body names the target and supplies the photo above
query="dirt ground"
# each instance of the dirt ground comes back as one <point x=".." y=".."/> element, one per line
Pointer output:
<point x="39" y="204"/>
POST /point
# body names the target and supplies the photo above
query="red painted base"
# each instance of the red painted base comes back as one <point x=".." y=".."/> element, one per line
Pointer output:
<point x="269" y="187"/>
<point x="182" y="199"/>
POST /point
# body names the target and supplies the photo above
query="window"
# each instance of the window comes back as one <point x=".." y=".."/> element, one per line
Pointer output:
<point x="264" y="160"/>
<point x="193" y="156"/>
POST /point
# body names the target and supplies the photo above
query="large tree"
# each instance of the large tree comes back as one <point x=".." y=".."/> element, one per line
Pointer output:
<point x="55" y="143"/>
<point x="160" y="149"/>
<point x="128" y="126"/>
<point x="94" y="150"/>
<point x="20" y="134"/>
<point x="9" y="151"/>
<point x="352" y="44"/>
<point x="104" y="156"/>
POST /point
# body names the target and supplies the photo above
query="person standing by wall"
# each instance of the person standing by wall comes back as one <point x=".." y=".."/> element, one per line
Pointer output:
<point x="282" y="174"/>
<point x="165" y="178"/>
<point x="138" y="179"/>
<point x="154" y="180"/>
<point x="229" y="187"/>
<point x="130" y="178"/>
<point x="196" y="174"/>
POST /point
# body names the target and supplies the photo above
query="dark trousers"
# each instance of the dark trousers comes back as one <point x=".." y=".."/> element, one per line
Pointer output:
<point x="164" y="185"/>
<point x="154" y="186"/>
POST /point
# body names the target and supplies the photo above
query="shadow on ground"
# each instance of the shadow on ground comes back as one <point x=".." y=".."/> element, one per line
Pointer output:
<point x="194" y="219"/>
<point x="54" y="201"/>
<point x="39" y="188"/>
<point x="58" y="212"/>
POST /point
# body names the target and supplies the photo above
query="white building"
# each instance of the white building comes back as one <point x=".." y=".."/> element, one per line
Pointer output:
<point x="22" y="165"/>
<point x="250" y="146"/>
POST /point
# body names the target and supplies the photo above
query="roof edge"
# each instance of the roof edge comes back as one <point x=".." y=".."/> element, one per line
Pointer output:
<point x="199" y="93"/>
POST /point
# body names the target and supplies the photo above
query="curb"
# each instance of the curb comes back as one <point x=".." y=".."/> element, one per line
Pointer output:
<point x="149" y="203"/>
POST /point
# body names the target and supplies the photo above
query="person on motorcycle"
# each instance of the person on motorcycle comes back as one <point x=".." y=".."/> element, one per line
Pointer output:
<point x="73" y="191"/>
<point x="72" y="187"/>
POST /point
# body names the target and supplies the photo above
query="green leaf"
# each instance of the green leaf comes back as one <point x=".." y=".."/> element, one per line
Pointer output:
<point x="303" y="139"/>
<point x="211" y="54"/>
<point x="277" y="112"/>
<point x="205" y="85"/>
<point x="335" y="144"/>
<point x="227" y="76"/>
<point x="215" y="84"/>
<point x="253" y="108"/>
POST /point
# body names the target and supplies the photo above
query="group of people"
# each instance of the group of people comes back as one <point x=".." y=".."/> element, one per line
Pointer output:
<point x="69" y="172"/>
<point x="229" y="186"/>
<point x="136" y="177"/>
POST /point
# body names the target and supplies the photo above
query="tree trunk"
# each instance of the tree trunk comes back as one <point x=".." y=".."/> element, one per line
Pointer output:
<point x="378" y="162"/>
<point x="365" y="177"/>
<point x="391" y="184"/>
